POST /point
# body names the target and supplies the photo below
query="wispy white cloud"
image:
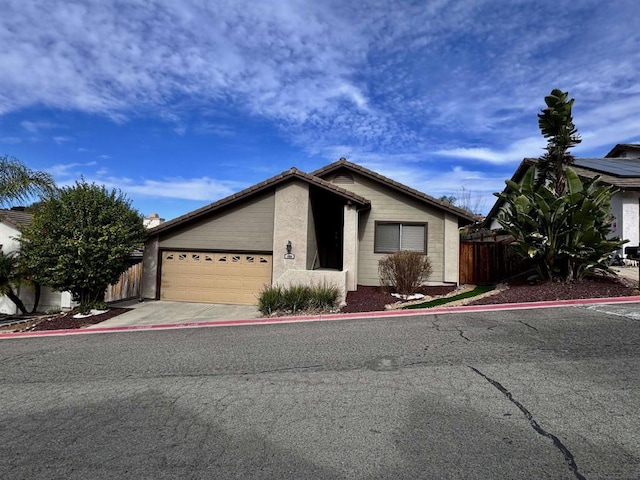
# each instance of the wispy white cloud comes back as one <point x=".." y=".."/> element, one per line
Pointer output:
<point x="36" y="127"/>
<point x="60" y="139"/>
<point x="201" y="189"/>
<point x="210" y="128"/>
<point x="61" y="171"/>
<point x="10" y="140"/>
<point x="512" y="154"/>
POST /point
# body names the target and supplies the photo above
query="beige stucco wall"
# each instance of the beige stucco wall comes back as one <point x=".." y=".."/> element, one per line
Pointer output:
<point x="388" y="204"/>
<point x="248" y="227"/>
<point x="316" y="277"/>
<point x="451" y="241"/>
<point x="291" y="217"/>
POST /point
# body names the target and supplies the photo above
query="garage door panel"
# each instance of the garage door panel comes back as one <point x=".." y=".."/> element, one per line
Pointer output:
<point x="214" y="277"/>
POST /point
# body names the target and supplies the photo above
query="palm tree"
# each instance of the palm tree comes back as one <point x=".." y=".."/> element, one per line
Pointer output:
<point x="18" y="183"/>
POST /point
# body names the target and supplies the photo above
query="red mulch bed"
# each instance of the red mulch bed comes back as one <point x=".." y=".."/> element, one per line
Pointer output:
<point x="373" y="299"/>
<point x="64" y="321"/>
<point x="602" y="287"/>
<point x="370" y="299"/>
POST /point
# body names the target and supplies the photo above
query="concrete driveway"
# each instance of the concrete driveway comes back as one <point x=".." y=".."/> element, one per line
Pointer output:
<point x="154" y="312"/>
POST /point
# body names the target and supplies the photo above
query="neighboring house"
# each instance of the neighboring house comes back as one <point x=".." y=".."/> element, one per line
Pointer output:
<point x="331" y="226"/>
<point x="620" y="168"/>
<point x="10" y="223"/>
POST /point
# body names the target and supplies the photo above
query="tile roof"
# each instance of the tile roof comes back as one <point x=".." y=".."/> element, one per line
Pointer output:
<point x="459" y="212"/>
<point x="16" y="218"/>
<point x="290" y="174"/>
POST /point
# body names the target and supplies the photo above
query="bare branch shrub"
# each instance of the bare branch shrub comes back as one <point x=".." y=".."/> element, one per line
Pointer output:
<point x="404" y="271"/>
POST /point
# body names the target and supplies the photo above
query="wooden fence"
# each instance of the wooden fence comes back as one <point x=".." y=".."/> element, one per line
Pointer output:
<point x="486" y="262"/>
<point x="127" y="287"/>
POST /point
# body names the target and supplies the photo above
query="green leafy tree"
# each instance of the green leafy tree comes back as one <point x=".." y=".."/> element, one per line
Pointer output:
<point x="81" y="239"/>
<point x="18" y="183"/>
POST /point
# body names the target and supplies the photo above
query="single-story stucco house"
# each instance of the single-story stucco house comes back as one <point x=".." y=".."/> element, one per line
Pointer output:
<point x="620" y="168"/>
<point x="330" y="226"/>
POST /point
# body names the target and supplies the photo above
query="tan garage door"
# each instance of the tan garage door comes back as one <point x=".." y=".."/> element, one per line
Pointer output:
<point x="214" y="277"/>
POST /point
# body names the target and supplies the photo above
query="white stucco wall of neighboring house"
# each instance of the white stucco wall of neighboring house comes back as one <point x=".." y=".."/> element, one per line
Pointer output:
<point x="629" y="220"/>
<point x="9" y="244"/>
<point x="8" y="235"/>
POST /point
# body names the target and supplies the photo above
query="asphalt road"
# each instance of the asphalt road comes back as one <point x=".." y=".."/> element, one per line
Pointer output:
<point x="534" y="394"/>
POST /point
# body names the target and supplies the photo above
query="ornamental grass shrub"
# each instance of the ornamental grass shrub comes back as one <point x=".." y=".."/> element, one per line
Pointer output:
<point x="404" y="271"/>
<point x="296" y="298"/>
<point x="270" y="299"/>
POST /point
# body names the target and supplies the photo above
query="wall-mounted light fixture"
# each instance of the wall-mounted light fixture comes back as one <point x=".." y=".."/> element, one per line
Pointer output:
<point x="289" y="247"/>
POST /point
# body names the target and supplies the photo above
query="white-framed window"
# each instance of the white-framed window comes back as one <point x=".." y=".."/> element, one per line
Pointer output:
<point x="395" y="236"/>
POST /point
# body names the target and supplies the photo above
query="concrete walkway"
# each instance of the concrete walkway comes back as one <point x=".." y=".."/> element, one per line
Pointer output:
<point x="155" y="312"/>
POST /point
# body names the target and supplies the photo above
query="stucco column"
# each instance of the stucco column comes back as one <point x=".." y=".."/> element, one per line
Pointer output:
<point x="451" y="270"/>
<point x="291" y="217"/>
<point x="350" y="246"/>
<point x="149" y="288"/>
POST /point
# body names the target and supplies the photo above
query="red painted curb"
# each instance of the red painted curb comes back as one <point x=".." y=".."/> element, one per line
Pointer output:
<point x="330" y="317"/>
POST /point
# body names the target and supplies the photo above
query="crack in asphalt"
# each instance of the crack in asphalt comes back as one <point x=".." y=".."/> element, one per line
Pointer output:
<point x="568" y="456"/>
<point x="526" y="324"/>
<point x="284" y="369"/>
<point x="460" y="332"/>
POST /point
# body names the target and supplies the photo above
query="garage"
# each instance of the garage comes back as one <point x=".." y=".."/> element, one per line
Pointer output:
<point x="220" y="277"/>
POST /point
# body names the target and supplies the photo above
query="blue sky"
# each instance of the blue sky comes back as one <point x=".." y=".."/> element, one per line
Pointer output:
<point x="180" y="103"/>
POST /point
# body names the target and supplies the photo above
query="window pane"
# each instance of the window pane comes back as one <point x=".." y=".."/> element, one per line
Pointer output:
<point x="413" y="237"/>
<point x="387" y="237"/>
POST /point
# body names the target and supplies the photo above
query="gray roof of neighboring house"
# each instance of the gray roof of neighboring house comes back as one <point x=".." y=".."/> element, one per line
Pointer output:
<point x="16" y="218"/>
<point x="344" y="163"/>
<point x="621" y="148"/>
<point x="291" y="174"/>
